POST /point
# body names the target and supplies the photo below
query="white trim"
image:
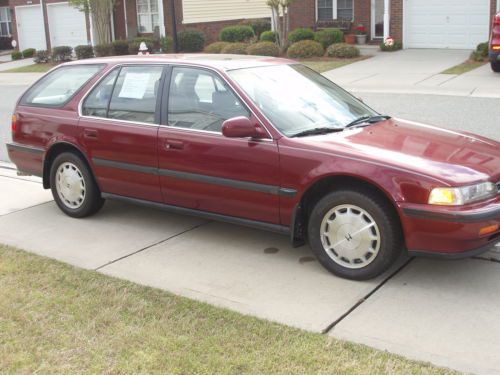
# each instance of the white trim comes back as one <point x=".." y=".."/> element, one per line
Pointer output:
<point x="125" y="18"/>
<point x="404" y="26"/>
<point x="112" y="21"/>
<point x="387" y="18"/>
<point x="161" y="18"/>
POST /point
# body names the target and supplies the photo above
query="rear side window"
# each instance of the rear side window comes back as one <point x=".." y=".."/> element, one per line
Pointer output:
<point x="59" y="86"/>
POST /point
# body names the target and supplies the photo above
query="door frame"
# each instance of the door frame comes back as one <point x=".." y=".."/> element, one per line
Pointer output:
<point x="373" y="4"/>
<point x="43" y="24"/>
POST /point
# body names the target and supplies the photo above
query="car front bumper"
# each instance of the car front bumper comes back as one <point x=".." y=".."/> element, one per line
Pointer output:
<point x="451" y="232"/>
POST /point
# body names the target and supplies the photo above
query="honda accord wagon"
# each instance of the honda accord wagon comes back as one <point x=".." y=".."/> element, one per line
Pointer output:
<point x="262" y="142"/>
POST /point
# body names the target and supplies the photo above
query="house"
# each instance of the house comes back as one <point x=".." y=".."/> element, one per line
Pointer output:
<point x="456" y="24"/>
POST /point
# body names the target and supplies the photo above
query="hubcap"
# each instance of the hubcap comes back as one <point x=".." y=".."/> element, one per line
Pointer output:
<point x="350" y="236"/>
<point x="70" y="185"/>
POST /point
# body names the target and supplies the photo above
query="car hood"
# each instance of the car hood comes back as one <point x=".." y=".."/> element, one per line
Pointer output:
<point x="456" y="158"/>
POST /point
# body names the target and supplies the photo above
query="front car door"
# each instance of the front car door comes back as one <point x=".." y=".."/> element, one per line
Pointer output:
<point x="201" y="169"/>
<point x="119" y="129"/>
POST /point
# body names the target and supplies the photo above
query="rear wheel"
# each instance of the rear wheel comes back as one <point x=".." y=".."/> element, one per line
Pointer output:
<point x="495" y="66"/>
<point x="355" y="234"/>
<point x="73" y="186"/>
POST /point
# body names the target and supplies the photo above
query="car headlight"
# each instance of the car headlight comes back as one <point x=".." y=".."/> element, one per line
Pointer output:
<point x="462" y="195"/>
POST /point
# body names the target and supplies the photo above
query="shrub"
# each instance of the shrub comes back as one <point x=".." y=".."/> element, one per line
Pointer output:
<point x="258" y="25"/>
<point x="263" y="49"/>
<point x="216" y="47"/>
<point x="300" y="34"/>
<point x="41" y="56"/>
<point x="16" y="55"/>
<point x="84" y="52"/>
<point x="103" y="50"/>
<point x="120" y="47"/>
<point x="29" y="52"/>
<point x="238" y="33"/>
<point x="305" y="48"/>
<point x="327" y="37"/>
<point x="166" y="44"/>
<point x="481" y="52"/>
<point x="343" y="51"/>
<point x="62" y="53"/>
<point x="390" y="45"/>
<point x="269" y="36"/>
<point x="235" y="49"/>
<point x="191" y="41"/>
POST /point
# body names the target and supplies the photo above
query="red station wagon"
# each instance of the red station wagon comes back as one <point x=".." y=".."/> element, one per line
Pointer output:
<point x="262" y="142"/>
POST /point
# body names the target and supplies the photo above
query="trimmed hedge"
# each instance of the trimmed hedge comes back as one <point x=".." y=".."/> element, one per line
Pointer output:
<point x="300" y="34"/>
<point x="16" y="55"/>
<point x="235" y="49"/>
<point x="166" y="44"/>
<point x="41" y="56"/>
<point x="327" y="37"/>
<point x="269" y="36"/>
<point x="62" y="53"/>
<point x="216" y="47"/>
<point x="305" y="48"/>
<point x="103" y="50"/>
<point x="191" y="41"/>
<point x="238" y="33"/>
<point x="263" y="49"/>
<point x="29" y="52"/>
<point x="120" y="47"/>
<point x="342" y="50"/>
<point x="84" y="52"/>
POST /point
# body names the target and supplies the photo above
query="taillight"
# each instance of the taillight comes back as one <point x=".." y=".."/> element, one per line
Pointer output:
<point x="496" y="21"/>
<point x="14" y="124"/>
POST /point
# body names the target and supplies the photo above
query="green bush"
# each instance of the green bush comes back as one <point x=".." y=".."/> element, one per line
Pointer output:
<point x="191" y="41"/>
<point x="166" y="44"/>
<point x="481" y="52"/>
<point x="235" y="49"/>
<point x="62" y="53"/>
<point x="300" y="34"/>
<point x="305" y="48"/>
<point x="41" y="56"/>
<point x="30" y="52"/>
<point x="238" y="33"/>
<point x="269" y="36"/>
<point x="258" y="25"/>
<point x="327" y="37"/>
<point x="120" y="47"/>
<point x="263" y="49"/>
<point x="396" y="46"/>
<point x="84" y="52"/>
<point x="103" y="50"/>
<point x="343" y="51"/>
<point x="16" y="55"/>
<point x="216" y="47"/>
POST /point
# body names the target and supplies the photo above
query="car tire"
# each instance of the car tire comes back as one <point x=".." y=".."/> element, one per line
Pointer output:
<point x="495" y="66"/>
<point x="355" y="234"/>
<point x="73" y="186"/>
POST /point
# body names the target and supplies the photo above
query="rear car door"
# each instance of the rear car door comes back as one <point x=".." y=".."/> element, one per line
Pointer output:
<point x="119" y="127"/>
<point x="200" y="168"/>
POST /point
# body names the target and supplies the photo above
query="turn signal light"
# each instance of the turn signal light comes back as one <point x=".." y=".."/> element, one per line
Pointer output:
<point x="495" y="48"/>
<point x="488" y="230"/>
<point x="14" y="124"/>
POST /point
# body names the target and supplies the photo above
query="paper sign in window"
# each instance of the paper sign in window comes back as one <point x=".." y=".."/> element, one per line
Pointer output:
<point x="134" y="85"/>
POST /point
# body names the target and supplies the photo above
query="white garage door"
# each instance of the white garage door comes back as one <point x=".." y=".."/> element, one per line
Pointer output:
<point x="67" y="25"/>
<point x="30" y="29"/>
<point x="446" y="23"/>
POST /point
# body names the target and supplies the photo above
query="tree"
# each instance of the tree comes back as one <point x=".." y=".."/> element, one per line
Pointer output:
<point x="281" y="20"/>
<point x="100" y="11"/>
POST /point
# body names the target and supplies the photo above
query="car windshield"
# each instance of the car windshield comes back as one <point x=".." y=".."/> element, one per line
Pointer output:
<point x="297" y="100"/>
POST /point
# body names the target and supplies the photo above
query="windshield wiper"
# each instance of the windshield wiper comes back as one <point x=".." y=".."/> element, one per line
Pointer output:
<point x="367" y="119"/>
<point x="316" y="131"/>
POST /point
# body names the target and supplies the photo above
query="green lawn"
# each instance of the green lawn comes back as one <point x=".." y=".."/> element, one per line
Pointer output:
<point x="464" y="67"/>
<point x="56" y="319"/>
<point x="325" y="64"/>
<point x="34" y="68"/>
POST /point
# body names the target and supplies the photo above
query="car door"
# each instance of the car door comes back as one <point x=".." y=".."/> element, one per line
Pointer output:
<point x="200" y="168"/>
<point x="119" y="128"/>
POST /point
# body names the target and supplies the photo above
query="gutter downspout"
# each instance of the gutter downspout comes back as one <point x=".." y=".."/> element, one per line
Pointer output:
<point x="125" y="18"/>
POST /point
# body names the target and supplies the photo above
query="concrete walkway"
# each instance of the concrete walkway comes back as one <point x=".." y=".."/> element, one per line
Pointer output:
<point x="443" y="312"/>
<point x="417" y="71"/>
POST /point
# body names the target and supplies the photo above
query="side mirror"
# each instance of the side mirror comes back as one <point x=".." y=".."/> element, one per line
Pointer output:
<point x="241" y="127"/>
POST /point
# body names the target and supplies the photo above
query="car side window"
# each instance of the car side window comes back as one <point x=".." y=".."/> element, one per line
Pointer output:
<point x="135" y="93"/>
<point x="199" y="99"/>
<point x="96" y="104"/>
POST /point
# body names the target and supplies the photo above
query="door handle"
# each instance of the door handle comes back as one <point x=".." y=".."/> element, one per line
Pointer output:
<point x="174" y="145"/>
<point x="90" y="134"/>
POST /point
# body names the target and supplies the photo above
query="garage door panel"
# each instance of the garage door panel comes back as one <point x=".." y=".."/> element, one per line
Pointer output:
<point x="30" y="28"/>
<point x="67" y="25"/>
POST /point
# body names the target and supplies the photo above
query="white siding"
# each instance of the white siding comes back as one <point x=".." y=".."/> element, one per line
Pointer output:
<point x="221" y="10"/>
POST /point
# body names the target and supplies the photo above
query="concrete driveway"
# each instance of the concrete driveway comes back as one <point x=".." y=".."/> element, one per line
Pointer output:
<point x="417" y="71"/>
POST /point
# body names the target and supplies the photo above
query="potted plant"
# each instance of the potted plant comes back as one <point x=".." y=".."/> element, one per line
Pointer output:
<point x="360" y="34"/>
<point x="350" y="38"/>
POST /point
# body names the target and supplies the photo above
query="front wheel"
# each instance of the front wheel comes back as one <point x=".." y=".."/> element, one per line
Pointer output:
<point x="355" y="234"/>
<point x="495" y="66"/>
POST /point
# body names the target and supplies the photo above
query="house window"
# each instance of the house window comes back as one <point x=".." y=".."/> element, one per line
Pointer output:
<point x="147" y="15"/>
<point x="325" y="10"/>
<point x="335" y="9"/>
<point x="345" y="9"/>
<point x="5" y="22"/>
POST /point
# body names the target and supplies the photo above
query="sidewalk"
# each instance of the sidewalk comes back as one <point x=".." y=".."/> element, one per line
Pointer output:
<point x="417" y="71"/>
<point x="443" y="312"/>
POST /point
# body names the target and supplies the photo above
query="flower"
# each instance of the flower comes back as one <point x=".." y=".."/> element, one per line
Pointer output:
<point x="360" y="30"/>
<point x="389" y="41"/>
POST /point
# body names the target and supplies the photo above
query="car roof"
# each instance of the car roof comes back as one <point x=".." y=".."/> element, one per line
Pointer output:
<point x="219" y="61"/>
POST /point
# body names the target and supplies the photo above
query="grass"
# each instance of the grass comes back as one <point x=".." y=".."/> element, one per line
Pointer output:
<point x="324" y="64"/>
<point x="56" y="319"/>
<point x="34" y="68"/>
<point x="464" y="67"/>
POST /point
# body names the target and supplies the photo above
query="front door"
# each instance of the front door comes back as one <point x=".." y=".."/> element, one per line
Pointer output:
<point x="119" y="130"/>
<point x="377" y="30"/>
<point x="200" y="168"/>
